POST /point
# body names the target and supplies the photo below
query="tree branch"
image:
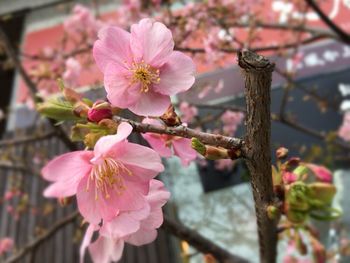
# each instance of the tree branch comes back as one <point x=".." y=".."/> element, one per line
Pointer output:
<point x="42" y="238"/>
<point x="25" y="140"/>
<point x="183" y="131"/>
<point x="32" y="87"/>
<point x="199" y="242"/>
<point x="257" y="71"/>
<point x="345" y="37"/>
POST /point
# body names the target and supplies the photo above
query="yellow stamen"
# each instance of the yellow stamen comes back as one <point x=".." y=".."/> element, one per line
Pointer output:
<point x="107" y="177"/>
<point x="144" y="74"/>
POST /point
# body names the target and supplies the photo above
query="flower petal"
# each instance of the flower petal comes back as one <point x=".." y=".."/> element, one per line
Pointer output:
<point x="87" y="204"/>
<point x="157" y="144"/>
<point x="120" y="92"/>
<point x="183" y="149"/>
<point x="137" y="157"/>
<point x="150" y="104"/>
<point x="105" y="250"/>
<point x="142" y="237"/>
<point x="152" y="42"/>
<point x="66" y="171"/>
<point x="113" y="46"/>
<point x="86" y="241"/>
<point x="176" y="75"/>
<point x="106" y="143"/>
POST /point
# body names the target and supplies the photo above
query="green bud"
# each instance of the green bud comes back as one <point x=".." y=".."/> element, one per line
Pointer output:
<point x="198" y="146"/>
<point x="301" y="170"/>
<point x="322" y="191"/>
<point x="296" y="217"/>
<point x="58" y="110"/>
<point x="273" y="212"/>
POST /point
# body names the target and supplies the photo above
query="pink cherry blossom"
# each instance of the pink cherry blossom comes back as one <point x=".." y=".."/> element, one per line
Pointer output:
<point x="72" y="72"/>
<point x="6" y="245"/>
<point x="167" y="145"/>
<point x="188" y="112"/>
<point x="321" y="172"/>
<point x="114" y="177"/>
<point x="224" y="164"/>
<point x="100" y="110"/>
<point x="344" y="130"/>
<point x="82" y="21"/>
<point x="141" y="69"/>
<point x="138" y="227"/>
<point x="289" y="177"/>
<point x="231" y="121"/>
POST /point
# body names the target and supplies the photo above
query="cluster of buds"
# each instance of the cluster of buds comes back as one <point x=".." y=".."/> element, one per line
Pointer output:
<point x="93" y="119"/>
<point x="305" y="189"/>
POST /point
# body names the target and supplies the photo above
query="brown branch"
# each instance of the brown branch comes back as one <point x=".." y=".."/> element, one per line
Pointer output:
<point x="10" y="166"/>
<point x="183" y="131"/>
<point x="199" y="242"/>
<point x="258" y="49"/>
<point x="42" y="238"/>
<point x="257" y="71"/>
<point x="345" y="37"/>
<point x="25" y="140"/>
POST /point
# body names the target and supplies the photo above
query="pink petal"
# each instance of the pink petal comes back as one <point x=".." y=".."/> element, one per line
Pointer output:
<point x="86" y="241"/>
<point x="142" y="237"/>
<point x="151" y="104"/>
<point x="321" y="172"/>
<point x="87" y="204"/>
<point x="152" y="42"/>
<point x="183" y="149"/>
<point x="158" y="194"/>
<point x="66" y="171"/>
<point x="120" y="92"/>
<point x="105" y="250"/>
<point x="106" y="143"/>
<point x="132" y="198"/>
<point x="113" y="46"/>
<point x="176" y="75"/>
<point x="120" y="227"/>
<point x="158" y="144"/>
<point x="136" y="156"/>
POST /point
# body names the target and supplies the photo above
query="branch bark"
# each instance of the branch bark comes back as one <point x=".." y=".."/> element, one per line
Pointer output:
<point x="183" y="131"/>
<point x="199" y="242"/>
<point x="257" y="72"/>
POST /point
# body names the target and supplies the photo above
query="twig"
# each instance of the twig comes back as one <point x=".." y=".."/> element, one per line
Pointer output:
<point x="345" y="37"/>
<point x="25" y="140"/>
<point x="183" y="131"/>
<point x="42" y="238"/>
<point x="199" y="242"/>
<point x="257" y="71"/>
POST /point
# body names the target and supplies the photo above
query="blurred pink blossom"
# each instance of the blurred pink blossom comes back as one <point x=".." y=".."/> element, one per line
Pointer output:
<point x="231" y="120"/>
<point x="167" y="145"/>
<point x="224" y="164"/>
<point x="344" y="130"/>
<point x="321" y="172"/>
<point x="6" y="245"/>
<point x="72" y="72"/>
<point x="188" y="112"/>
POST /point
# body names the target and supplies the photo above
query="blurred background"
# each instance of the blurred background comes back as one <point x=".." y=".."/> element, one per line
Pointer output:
<point x="310" y="97"/>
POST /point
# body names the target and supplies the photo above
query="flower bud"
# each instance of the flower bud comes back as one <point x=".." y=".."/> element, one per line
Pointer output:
<point x="296" y="217"/>
<point x="273" y="212"/>
<point x="170" y="117"/>
<point x="198" y="146"/>
<point x="322" y="191"/>
<point x="281" y="153"/>
<point x="99" y="111"/>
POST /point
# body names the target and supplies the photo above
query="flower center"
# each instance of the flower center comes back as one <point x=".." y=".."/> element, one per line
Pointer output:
<point x="107" y="177"/>
<point x="145" y="75"/>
